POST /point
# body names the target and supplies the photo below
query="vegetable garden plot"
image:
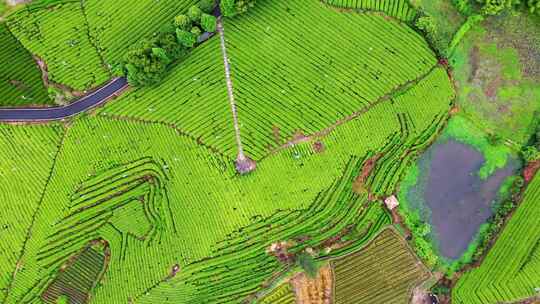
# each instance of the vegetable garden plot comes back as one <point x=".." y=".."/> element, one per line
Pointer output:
<point x="510" y="270"/>
<point x="281" y="295"/>
<point x="79" y="275"/>
<point x="400" y="9"/>
<point x="386" y="264"/>
<point x="27" y="156"/>
<point x="288" y="80"/>
<point x="20" y="80"/>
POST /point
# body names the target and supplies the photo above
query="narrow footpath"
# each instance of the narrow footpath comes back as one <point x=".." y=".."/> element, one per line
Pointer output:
<point x="244" y="164"/>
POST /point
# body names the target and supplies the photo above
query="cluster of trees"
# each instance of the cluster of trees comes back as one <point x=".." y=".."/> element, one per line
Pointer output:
<point x="531" y="152"/>
<point x="231" y="8"/>
<point x="495" y="7"/>
<point x="147" y="62"/>
<point x="428" y="26"/>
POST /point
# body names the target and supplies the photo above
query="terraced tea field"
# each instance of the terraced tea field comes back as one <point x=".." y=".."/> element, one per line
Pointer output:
<point x="146" y="191"/>
<point x="28" y="153"/>
<point x="400" y="9"/>
<point x="510" y="270"/>
<point x="385" y="271"/>
<point x="80" y="41"/>
<point x="20" y="81"/>
<point x="306" y="89"/>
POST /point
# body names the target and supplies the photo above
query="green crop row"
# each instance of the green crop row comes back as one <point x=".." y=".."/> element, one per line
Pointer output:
<point x="281" y="295"/>
<point x="400" y="9"/>
<point x="208" y="201"/>
<point x="20" y="80"/>
<point x="510" y="270"/>
<point x="82" y="41"/>
<point x="290" y="77"/>
<point x="193" y="98"/>
<point x="228" y="276"/>
<point x="59" y="37"/>
<point x="224" y="222"/>
<point x="27" y="153"/>
<point x="78" y="277"/>
<point x="385" y="264"/>
<point x="278" y="96"/>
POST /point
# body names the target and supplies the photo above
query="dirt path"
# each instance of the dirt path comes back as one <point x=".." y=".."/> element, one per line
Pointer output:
<point x="307" y="138"/>
<point x="243" y="163"/>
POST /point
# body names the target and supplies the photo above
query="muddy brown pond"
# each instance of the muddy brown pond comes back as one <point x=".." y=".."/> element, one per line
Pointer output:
<point x="458" y="201"/>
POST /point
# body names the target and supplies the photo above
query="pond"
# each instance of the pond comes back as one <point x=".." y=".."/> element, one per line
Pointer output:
<point x="458" y="201"/>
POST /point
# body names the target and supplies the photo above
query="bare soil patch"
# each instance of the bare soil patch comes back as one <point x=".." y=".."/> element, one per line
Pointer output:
<point x="314" y="290"/>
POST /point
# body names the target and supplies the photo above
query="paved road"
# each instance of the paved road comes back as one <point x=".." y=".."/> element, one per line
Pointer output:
<point x="55" y="113"/>
<point x="85" y="103"/>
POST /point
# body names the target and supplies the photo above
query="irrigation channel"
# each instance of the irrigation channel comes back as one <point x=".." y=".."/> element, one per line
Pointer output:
<point x="452" y="197"/>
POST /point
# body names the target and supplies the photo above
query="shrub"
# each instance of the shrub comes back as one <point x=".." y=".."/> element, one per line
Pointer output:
<point x="182" y="22"/>
<point x="228" y="8"/>
<point x="196" y="31"/>
<point x="186" y="38"/>
<point x="195" y="13"/>
<point x="208" y="23"/>
<point x="207" y="5"/>
<point x="231" y="8"/>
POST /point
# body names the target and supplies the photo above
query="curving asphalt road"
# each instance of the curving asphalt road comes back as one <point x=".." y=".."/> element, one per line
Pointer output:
<point x="55" y="113"/>
<point x="87" y="102"/>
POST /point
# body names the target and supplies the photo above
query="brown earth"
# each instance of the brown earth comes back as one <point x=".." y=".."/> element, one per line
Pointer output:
<point x="314" y="290"/>
<point x="530" y="170"/>
<point x="359" y="185"/>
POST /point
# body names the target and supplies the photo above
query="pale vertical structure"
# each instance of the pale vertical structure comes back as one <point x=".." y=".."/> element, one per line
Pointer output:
<point x="243" y="163"/>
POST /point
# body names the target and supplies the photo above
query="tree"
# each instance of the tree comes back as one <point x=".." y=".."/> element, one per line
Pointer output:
<point x="207" y="5"/>
<point x="169" y="43"/>
<point x="534" y="6"/>
<point x="145" y="63"/>
<point x="208" y="23"/>
<point x="186" y="38"/>
<point x="196" y="31"/>
<point x="530" y="154"/>
<point x="194" y="13"/>
<point x="463" y="6"/>
<point x="243" y="6"/>
<point x="182" y="22"/>
<point x="63" y="299"/>
<point x="161" y="54"/>
<point x="427" y="25"/>
<point x="495" y="7"/>
<point x="228" y="7"/>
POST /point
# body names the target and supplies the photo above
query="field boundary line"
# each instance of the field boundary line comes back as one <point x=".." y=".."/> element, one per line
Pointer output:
<point x="180" y="131"/>
<point x="93" y="40"/>
<point x="34" y="216"/>
<point x="402" y="88"/>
